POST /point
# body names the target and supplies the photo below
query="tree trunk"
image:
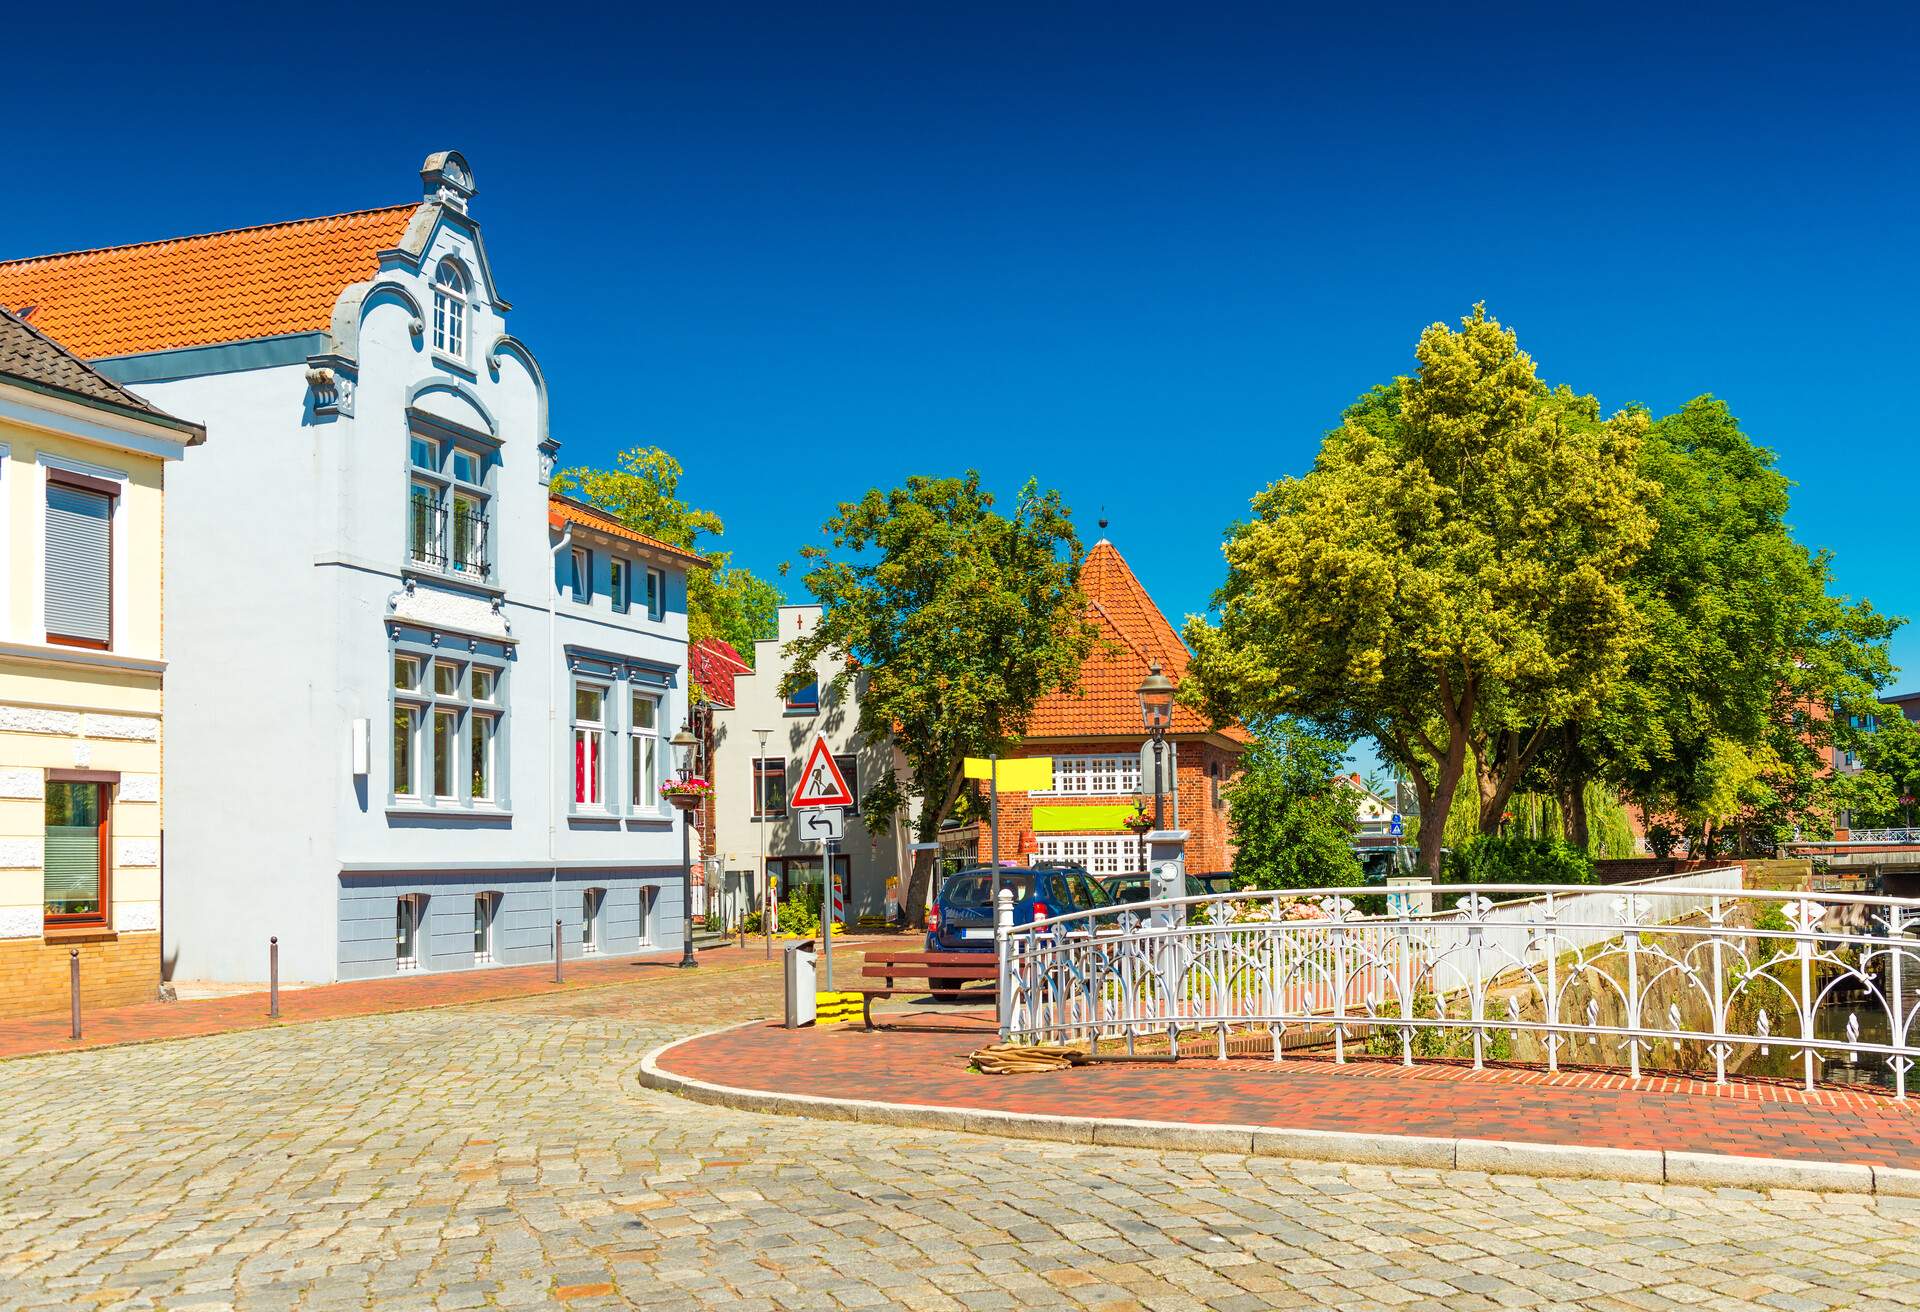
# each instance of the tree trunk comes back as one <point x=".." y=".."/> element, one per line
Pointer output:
<point x="1573" y="812"/>
<point x="1499" y="770"/>
<point x="1436" y="802"/>
<point x="925" y="863"/>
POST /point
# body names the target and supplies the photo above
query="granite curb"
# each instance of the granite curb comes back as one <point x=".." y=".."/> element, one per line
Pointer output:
<point x="1492" y="1156"/>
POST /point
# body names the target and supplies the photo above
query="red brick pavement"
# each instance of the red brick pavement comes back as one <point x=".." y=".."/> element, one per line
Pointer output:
<point x="925" y="1068"/>
<point x="151" y="1021"/>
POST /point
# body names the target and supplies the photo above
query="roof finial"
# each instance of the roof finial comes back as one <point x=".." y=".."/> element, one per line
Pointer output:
<point x="1103" y="521"/>
<point x="447" y="179"/>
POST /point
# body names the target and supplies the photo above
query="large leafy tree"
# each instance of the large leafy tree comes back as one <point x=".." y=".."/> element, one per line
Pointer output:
<point x="1448" y="579"/>
<point x="642" y="490"/>
<point x="1882" y="792"/>
<point x="1292" y="819"/>
<point x="1749" y="666"/>
<point x="958" y="620"/>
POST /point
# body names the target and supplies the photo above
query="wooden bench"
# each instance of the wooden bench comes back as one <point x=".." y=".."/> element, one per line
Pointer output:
<point x="953" y="976"/>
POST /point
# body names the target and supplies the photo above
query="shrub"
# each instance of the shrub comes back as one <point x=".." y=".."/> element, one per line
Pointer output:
<point x="1662" y="839"/>
<point x="797" y="916"/>
<point x="1507" y="859"/>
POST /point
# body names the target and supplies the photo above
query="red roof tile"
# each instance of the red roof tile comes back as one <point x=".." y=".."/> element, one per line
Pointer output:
<point x="565" y="510"/>
<point x="198" y="291"/>
<point x="1133" y="637"/>
<point x="713" y="665"/>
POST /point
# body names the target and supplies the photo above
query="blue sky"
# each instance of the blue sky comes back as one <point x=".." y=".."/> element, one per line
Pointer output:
<point x="1144" y="254"/>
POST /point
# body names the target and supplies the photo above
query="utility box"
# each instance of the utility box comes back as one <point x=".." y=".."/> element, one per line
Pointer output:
<point x="798" y="966"/>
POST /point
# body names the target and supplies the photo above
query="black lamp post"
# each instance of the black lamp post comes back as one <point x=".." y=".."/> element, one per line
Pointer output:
<point x="1156" y="711"/>
<point x="683" y="745"/>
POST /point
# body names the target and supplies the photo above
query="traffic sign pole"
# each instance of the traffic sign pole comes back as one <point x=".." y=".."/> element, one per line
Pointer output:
<point x="822" y="786"/>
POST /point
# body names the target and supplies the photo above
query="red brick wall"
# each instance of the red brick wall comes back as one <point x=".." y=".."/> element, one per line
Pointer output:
<point x="1209" y="847"/>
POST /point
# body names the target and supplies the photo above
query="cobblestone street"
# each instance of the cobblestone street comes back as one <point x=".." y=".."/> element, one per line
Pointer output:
<point x="501" y="1155"/>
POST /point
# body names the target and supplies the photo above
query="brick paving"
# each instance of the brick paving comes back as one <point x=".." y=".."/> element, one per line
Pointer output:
<point x="502" y="1155"/>
<point x="1442" y="1100"/>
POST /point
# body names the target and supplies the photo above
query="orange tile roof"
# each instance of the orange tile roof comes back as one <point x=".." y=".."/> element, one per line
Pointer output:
<point x="1133" y="636"/>
<point x="565" y="510"/>
<point x="198" y="291"/>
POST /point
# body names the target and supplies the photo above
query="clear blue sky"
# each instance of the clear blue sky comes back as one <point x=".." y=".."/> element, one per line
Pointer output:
<point x="1143" y="254"/>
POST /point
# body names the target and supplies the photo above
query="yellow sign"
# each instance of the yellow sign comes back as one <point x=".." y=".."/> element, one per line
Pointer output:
<point x="1020" y="774"/>
<point x="1100" y="819"/>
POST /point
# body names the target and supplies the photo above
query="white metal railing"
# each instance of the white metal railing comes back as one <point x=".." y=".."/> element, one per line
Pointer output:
<point x="1680" y="969"/>
<point x="1882" y="836"/>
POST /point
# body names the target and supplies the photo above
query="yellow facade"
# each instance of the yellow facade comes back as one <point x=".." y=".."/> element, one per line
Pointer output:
<point x="68" y="712"/>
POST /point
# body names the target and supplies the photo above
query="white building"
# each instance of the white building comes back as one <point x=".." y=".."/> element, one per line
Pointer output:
<point x="416" y="711"/>
<point x="752" y="783"/>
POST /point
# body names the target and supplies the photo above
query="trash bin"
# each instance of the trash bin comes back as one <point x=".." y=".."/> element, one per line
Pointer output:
<point x="799" y="964"/>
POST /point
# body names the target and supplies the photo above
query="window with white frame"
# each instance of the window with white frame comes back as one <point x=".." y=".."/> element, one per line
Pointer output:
<point x="408" y="914"/>
<point x="580" y="574"/>
<point x="449" y="507"/>
<point x="645" y="751"/>
<point x="656" y="594"/>
<point x="485" y="907"/>
<point x="590" y="704"/>
<point x="450" y="309"/>
<point x="79" y="556"/>
<point x="1105" y="774"/>
<point x="592" y="901"/>
<point x="620" y="584"/>
<point x="448" y="712"/>
<point x="1098" y="854"/>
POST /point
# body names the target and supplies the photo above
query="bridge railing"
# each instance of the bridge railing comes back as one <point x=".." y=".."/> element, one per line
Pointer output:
<point x="1889" y="837"/>
<point x="1685" y="967"/>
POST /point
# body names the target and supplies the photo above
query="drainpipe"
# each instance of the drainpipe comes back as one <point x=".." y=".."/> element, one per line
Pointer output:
<point x="553" y="805"/>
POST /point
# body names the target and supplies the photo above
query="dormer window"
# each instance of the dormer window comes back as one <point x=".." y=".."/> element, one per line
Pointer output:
<point x="450" y="310"/>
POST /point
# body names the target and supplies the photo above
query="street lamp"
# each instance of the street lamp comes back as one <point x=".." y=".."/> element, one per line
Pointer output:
<point x="1156" y="711"/>
<point x="683" y="745"/>
<point x="761" y="813"/>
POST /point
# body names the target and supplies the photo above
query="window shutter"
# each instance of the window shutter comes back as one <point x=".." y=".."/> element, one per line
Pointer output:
<point x="79" y="604"/>
<point x="73" y="867"/>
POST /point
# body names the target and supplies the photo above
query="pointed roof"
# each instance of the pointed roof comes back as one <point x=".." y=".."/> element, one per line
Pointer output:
<point x="31" y="359"/>
<point x="236" y="286"/>
<point x="714" y="663"/>
<point x="1133" y="636"/>
<point x="562" y="511"/>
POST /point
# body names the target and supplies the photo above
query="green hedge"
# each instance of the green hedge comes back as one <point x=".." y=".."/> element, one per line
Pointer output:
<point x="1505" y="859"/>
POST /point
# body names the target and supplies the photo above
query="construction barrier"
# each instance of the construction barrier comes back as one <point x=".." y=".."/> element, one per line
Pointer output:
<point x="835" y="1008"/>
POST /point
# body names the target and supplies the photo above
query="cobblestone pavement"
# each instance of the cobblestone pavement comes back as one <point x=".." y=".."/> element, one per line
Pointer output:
<point x="501" y="1155"/>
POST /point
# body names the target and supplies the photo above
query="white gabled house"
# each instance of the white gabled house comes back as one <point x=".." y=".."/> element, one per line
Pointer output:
<point x="417" y="708"/>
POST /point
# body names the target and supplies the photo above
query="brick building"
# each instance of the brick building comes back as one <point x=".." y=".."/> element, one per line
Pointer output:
<point x="1102" y="765"/>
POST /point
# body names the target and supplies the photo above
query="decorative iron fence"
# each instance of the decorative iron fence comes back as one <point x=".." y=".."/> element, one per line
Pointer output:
<point x="1682" y="972"/>
<point x="1883" y="836"/>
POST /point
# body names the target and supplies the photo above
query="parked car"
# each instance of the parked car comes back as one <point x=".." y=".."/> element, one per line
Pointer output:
<point x="1136" y="888"/>
<point x="962" y="919"/>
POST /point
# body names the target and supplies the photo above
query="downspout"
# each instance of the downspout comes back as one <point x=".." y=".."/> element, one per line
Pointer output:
<point x="553" y="803"/>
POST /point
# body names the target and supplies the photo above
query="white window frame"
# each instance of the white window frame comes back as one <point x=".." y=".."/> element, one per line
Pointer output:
<point x="413" y="906"/>
<point x="1098" y="854"/>
<point x="620" y="583"/>
<point x="652" y="804"/>
<point x="452" y="310"/>
<point x="1095" y="774"/>
<point x="424" y="704"/>
<point x="589" y="731"/>
<point x="486" y="908"/>
<point x="580" y="575"/>
<point x="656" y="594"/>
<point x="593" y="906"/>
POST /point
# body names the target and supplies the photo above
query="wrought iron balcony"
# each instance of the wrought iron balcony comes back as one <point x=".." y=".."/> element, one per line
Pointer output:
<point x="451" y="538"/>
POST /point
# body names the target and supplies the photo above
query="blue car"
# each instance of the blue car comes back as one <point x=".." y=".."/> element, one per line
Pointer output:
<point x="962" y="919"/>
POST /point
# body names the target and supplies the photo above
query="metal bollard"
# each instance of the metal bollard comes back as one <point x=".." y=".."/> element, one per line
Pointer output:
<point x="273" y="976"/>
<point x="556" y="952"/>
<point x="73" y="986"/>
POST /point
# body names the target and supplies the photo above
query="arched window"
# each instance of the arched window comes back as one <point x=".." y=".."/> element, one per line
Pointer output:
<point x="450" y="309"/>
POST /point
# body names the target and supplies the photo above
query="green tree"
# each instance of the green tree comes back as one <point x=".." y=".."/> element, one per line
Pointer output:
<point x="958" y="620"/>
<point x="642" y="491"/>
<point x="1882" y="793"/>
<point x="1448" y="579"/>
<point x="1723" y="716"/>
<point x="1292" y="820"/>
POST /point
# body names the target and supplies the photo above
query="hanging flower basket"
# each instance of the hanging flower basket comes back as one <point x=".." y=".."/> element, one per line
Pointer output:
<point x="686" y="793"/>
<point x="1141" y="821"/>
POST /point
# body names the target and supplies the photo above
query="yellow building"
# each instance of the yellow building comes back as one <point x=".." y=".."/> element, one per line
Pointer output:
<point x="81" y="476"/>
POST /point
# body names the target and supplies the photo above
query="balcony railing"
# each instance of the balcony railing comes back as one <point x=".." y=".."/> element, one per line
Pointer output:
<point x="452" y="538"/>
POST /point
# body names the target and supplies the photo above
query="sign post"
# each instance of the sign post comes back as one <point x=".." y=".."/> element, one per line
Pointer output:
<point x="822" y="792"/>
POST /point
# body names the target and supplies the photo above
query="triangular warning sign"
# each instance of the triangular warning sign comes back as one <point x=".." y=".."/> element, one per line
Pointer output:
<point x="821" y="783"/>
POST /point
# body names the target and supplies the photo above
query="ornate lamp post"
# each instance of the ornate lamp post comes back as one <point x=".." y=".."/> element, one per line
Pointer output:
<point x="686" y="794"/>
<point x="1156" y="712"/>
